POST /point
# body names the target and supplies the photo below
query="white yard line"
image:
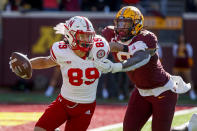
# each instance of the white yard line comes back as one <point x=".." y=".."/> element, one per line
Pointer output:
<point x="118" y="125"/>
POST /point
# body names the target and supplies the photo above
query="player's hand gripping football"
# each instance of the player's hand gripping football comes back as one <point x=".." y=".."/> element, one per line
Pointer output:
<point x="20" y="65"/>
<point x="107" y="66"/>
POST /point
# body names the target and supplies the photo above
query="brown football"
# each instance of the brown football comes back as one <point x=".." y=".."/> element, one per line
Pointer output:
<point x="21" y="65"/>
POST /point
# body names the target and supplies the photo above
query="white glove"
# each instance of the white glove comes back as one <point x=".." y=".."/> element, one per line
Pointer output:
<point x="107" y="66"/>
<point x="102" y="66"/>
<point x="179" y="85"/>
<point x="116" y="67"/>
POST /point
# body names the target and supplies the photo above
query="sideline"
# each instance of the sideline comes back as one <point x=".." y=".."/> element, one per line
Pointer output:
<point x="118" y="125"/>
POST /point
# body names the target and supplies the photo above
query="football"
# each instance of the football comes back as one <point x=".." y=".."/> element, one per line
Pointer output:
<point x="21" y="65"/>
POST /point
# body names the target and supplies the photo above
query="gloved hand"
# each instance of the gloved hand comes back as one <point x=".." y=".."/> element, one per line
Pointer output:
<point x="102" y="66"/>
<point x="107" y="66"/>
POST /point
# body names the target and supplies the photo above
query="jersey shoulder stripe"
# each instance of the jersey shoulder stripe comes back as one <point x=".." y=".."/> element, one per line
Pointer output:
<point x="59" y="51"/>
<point x="52" y="54"/>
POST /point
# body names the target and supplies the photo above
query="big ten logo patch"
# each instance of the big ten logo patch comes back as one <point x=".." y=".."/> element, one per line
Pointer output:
<point x="100" y="54"/>
<point x="45" y="40"/>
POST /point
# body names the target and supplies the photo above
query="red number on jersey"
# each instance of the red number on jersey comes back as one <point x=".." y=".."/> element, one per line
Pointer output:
<point x="91" y="73"/>
<point x="99" y="42"/>
<point x="62" y="45"/>
<point x="75" y="76"/>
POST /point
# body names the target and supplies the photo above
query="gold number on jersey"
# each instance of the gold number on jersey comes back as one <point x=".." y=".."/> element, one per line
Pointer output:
<point x="123" y="56"/>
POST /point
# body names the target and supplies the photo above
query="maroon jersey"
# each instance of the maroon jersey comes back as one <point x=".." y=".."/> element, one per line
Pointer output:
<point x="149" y="76"/>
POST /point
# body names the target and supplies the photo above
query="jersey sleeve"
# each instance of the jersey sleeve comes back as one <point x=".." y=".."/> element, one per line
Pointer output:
<point x="137" y="46"/>
<point x="56" y="53"/>
<point x="151" y="40"/>
<point x="145" y="40"/>
<point x="100" y="48"/>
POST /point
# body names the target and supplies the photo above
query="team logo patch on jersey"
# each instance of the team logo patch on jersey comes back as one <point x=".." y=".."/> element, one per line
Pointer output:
<point x="100" y="54"/>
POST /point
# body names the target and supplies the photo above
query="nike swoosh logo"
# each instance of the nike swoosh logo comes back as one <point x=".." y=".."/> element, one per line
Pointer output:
<point x="160" y="97"/>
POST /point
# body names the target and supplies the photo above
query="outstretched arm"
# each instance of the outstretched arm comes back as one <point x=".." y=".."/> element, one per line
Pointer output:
<point x="139" y="59"/>
<point x="42" y="62"/>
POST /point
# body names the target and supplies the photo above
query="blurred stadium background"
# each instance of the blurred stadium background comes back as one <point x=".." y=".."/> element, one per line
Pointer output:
<point x="26" y="27"/>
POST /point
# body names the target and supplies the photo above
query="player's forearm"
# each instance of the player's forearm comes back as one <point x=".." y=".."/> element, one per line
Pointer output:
<point x="139" y="59"/>
<point x="42" y="63"/>
<point x="116" y="47"/>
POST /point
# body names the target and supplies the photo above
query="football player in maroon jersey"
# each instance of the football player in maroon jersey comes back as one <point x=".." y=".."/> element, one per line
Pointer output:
<point x="135" y="51"/>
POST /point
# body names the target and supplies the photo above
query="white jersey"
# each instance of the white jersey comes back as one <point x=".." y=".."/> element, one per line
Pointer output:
<point x="100" y="49"/>
<point x="80" y="76"/>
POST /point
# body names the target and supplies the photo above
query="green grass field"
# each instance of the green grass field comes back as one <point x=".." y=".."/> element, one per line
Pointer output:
<point x="38" y="97"/>
<point x="178" y="120"/>
<point x="18" y="97"/>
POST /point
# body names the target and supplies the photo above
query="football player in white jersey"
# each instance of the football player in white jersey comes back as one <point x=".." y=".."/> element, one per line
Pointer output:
<point x="76" y="103"/>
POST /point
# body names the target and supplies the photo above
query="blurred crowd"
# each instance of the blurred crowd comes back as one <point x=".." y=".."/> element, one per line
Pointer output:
<point x="191" y="6"/>
<point x="62" y="5"/>
<point x="156" y="7"/>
